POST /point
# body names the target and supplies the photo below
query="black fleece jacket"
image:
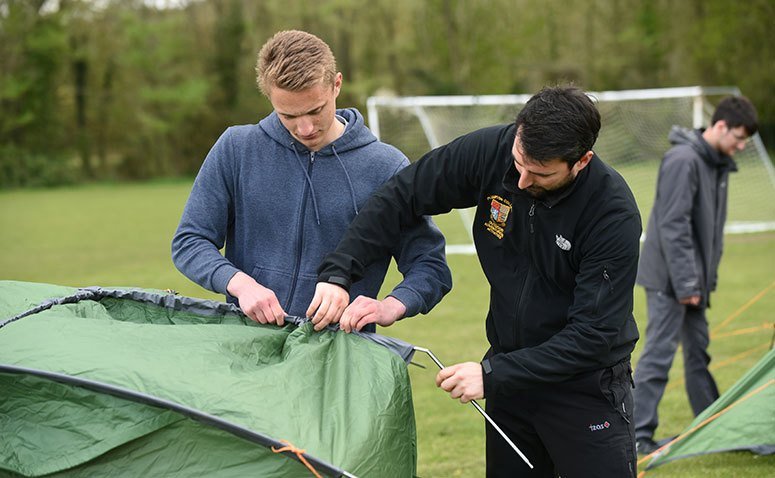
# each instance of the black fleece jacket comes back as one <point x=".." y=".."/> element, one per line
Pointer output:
<point x="561" y="269"/>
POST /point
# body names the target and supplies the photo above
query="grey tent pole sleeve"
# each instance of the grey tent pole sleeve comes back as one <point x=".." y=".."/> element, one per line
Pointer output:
<point x="208" y="308"/>
<point x="481" y="410"/>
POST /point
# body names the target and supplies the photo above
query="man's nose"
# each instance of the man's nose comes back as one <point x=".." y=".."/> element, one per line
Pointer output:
<point x="525" y="181"/>
<point x="305" y="127"/>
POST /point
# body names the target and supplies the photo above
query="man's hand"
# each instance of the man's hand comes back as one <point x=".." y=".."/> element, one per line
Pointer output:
<point x="691" y="300"/>
<point x="462" y="381"/>
<point x="327" y="305"/>
<point x="365" y="310"/>
<point x="256" y="301"/>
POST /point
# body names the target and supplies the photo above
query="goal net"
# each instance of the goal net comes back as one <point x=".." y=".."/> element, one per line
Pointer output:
<point x="633" y="139"/>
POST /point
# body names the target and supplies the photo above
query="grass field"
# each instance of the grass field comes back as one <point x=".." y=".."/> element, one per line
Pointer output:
<point x="119" y="235"/>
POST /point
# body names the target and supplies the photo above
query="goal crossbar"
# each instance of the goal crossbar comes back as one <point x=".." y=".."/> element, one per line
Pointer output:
<point x="374" y="102"/>
<point x="430" y="116"/>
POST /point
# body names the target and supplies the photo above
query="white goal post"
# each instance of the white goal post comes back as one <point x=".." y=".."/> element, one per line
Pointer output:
<point x="633" y="138"/>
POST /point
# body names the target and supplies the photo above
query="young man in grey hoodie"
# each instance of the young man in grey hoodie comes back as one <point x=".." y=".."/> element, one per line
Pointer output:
<point x="680" y="258"/>
<point x="279" y="194"/>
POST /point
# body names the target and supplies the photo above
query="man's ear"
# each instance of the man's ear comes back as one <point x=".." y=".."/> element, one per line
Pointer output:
<point x="582" y="162"/>
<point x="337" y="84"/>
<point x="716" y="131"/>
<point x="720" y="127"/>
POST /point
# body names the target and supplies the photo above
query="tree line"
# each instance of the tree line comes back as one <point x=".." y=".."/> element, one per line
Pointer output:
<point x="137" y="89"/>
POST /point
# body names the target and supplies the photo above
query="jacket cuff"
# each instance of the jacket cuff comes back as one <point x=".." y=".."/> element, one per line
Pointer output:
<point x="340" y="269"/>
<point x="411" y="300"/>
<point x="342" y="282"/>
<point x="682" y="294"/>
<point x="221" y="277"/>
<point x="487" y="380"/>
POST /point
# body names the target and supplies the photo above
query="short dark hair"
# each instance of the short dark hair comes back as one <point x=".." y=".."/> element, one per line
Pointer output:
<point x="558" y="122"/>
<point x="737" y="111"/>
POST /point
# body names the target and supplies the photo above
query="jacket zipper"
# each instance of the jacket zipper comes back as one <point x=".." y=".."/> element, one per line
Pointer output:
<point x="517" y="325"/>
<point x="300" y="236"/>
<point x="605" y="282"/>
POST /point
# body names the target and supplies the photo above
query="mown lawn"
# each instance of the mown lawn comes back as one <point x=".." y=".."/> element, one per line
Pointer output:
<point x="119" y="235"/>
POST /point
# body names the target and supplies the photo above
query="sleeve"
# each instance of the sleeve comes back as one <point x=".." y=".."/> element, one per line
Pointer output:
<point x="206" y="218"/>
<point x="600" y="315"/>
<point x="716" y="260"/>
<point x="421" y="259"/>
<point x="446" y="178"/>
<point x="676" y="189"/>
<point x="718" y="251"/>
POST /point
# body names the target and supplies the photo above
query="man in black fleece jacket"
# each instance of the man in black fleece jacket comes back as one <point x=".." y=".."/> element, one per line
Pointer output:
<point x="557" y="234"/>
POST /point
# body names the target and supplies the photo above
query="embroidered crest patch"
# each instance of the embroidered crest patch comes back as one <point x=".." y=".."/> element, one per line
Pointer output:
<point x="499" y="214"/>
<point x="499" y="211"/>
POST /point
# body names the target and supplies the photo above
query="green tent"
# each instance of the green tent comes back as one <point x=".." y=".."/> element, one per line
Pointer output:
<point x="115" y="382"/>
<point x="743" y="418"/>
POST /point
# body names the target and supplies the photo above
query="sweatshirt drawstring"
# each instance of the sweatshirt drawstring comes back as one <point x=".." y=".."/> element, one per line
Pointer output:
<point x="309" y="181"/>
<point x="349" y="182"/>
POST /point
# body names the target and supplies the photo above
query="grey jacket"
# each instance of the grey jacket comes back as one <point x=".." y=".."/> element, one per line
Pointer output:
<point x="684" y="237"/>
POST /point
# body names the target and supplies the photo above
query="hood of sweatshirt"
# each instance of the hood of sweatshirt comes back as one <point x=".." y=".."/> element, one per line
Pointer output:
<point x="355" y="134"/>
<point x="693" y="138"/>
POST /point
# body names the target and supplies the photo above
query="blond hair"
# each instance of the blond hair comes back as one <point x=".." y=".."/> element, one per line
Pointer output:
<point x="294" y="60"/>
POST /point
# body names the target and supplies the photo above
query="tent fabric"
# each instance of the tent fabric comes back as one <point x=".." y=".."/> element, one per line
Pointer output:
<point x="743" y="418"/>
<point x="18" y="297"/>
<point x="170" y="300"/>
<point x="127" y="381"/>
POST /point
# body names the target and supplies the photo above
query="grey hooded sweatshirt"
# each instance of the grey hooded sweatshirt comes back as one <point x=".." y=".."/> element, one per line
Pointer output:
<point x="279" y="208"/>
<point x="685" y="233"/>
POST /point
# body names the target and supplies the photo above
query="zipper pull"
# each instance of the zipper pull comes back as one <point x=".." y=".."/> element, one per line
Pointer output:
<point x="531" y="214"/>
<point x="608" y="280"/>
<point x="311" y="156"/>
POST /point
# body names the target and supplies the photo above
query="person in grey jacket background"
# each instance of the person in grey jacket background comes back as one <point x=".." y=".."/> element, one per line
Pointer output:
<point x="279" y="194"/>
<point x="680" y="257"/>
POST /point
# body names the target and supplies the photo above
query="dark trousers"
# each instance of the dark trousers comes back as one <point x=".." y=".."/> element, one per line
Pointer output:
<point x="671" y="323"/>
<point x="579" y="428"/>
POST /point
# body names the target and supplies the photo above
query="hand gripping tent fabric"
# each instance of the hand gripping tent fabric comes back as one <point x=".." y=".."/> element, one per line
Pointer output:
<point x="109" y="382"/>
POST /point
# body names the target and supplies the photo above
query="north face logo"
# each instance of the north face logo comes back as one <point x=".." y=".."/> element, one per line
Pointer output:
<point x="562" y="243"/>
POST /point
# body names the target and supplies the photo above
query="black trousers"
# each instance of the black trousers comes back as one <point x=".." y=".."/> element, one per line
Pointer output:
<point x="579" y="428"/>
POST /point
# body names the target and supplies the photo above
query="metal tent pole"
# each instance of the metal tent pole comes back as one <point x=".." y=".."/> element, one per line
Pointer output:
<point x="481" y="411"/>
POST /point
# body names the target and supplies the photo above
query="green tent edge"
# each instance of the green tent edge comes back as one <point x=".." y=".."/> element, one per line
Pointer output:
<point x="188" y="412"/>
<point x="732" y="397"/>
<point x="719" y="450"/>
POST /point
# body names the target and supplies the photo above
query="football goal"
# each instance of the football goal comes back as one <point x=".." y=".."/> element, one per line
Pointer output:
<point x="633" y="138"/>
